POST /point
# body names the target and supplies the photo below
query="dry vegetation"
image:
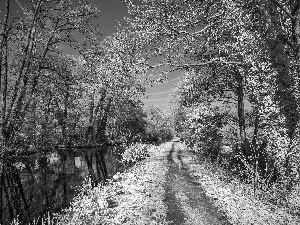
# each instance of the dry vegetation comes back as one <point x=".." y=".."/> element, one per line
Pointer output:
<point x="137" y="195"/>
<point x="234" y="198"/>
<point x="133" y="197"/>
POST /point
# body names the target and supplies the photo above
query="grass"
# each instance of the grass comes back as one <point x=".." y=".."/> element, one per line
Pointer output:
<point x="133" y="197"/>
<point x="235" y="198"/>
<point x="136" y="196"/>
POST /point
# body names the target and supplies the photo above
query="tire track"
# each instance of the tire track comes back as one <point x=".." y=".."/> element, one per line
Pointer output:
<point x="185" y="199"/>
<point x="175" y="214"/>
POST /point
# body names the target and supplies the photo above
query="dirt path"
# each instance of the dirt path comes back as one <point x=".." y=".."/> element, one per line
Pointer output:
<point x="185" y="199"/>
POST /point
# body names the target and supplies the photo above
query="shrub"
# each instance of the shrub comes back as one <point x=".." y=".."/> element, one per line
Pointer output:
<point x="203" y="125"/>
<point x="135" y="153"/>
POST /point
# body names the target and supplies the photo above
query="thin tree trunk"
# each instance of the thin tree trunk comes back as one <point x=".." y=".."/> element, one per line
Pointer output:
<point x="101" y="167"/>
<point x="64" y="181"/>
<point x="45" y="187"/>
<point x="3" y="86"/>
<point x="98" y="167"/>
<point x="90" y="168"/>
<point x="255" y="133"/>
<point x="241" y="110"/>
<point x="1" y="194"/>
<point x="90" y="131"/>
<point x="101" y="126"/>
<point x="13" y="193"/>
<point x="31" y="182"/>
<point x="103" y="164"/>
<point x="21" y="191"/>
<point x="8" y="199"/>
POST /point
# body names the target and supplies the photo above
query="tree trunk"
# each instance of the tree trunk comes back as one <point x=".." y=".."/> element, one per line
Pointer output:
<point x="14" y="196"/>
<point x="102" y="158"/>
<point x="1" y="194"/>
<point x="241" y="110"/>
<point x="255" y="133"/>
<point x="8" y="198"/>
<point x="89" y="163"/>
<point x="98" y="167"/>
<point x="21" y="191"/>
<point x="64" y="180"/>
<point x="102" y="165"/>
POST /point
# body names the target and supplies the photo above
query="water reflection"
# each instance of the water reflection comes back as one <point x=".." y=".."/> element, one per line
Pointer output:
<point x="49" y="181"/>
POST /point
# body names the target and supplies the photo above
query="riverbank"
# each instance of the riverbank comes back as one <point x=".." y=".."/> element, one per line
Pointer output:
<point x="235" y="199"/>
<point x="173" y="185"/>
<point x="133" y="197"/>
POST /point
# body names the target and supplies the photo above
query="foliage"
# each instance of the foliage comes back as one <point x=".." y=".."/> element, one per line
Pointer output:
<point x="52" y="101"/>
<point x="133" y="197"/>
<point x="38" y="63"/>
<point x="159" y="126"/>
<point x="232" y="52"/>
<point x="127" y="123"/>
<point x="135" y="153"/>
<point x="203" y="123"/>
<point x="235" y="198"/>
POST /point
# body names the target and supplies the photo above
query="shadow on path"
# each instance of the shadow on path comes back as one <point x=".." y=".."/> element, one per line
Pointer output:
<point x="185" y="199"/>
<point x="174" y="213"/>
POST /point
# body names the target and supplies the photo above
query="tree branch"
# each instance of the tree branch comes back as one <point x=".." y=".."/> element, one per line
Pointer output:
<point x="195" y="65"/>
<point x="283" y="9"/>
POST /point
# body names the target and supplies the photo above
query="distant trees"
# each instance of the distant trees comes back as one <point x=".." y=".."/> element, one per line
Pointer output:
<point x="159" y="125"/>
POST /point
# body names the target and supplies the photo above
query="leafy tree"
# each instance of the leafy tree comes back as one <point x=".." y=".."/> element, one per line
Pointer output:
<point x="114" y="81"/>
<point x="276" y="22"/>
<point x="197" y="36"/>
<point x="232" y="50"/>
<point x="37" y="86"/>
<point x="128" y="123"/>
<point x="30" y="55"/>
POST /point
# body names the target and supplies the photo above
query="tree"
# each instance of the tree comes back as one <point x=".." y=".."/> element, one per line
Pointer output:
<point x="36" y="83"/>
<point x="277" y="23"/>
<point x="231" y="49"/>
<point x="35" y="55"/>
<point x="114" y="78"/>
<point x="158" y="125"/>
<point x="190" y="35"/>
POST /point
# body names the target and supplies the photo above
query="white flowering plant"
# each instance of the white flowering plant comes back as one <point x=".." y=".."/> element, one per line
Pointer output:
<point x="132" y="197"/>
<point x="135" y="153"/>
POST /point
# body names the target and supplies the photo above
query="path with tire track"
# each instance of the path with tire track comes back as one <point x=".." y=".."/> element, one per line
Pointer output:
<point x="185" y="200"/>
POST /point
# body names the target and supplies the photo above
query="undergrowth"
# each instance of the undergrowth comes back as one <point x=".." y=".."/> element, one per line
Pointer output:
<point x="237" y="199"/>
<point x="132" y="197"/>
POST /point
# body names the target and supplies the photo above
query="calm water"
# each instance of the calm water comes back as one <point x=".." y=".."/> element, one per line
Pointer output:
<point x="50" y="181"/>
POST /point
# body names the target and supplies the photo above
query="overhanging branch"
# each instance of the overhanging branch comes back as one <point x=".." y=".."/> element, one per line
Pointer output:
<point x="200" y="64"/>
<point x="275" y="2"/>
<point x="196" y="65"/>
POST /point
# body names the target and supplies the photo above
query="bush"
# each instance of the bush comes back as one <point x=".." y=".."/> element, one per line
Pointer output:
<point x="202" y="129"/>
<point x="135" y="153"/>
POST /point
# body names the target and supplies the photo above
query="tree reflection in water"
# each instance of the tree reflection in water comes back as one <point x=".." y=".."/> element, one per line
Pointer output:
<point x="46" y="182"/>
